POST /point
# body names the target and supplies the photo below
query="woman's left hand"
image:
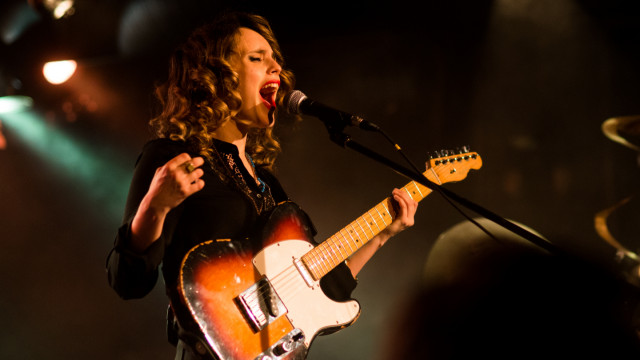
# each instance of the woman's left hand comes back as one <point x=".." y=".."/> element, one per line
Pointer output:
<point x="405" y="208"/>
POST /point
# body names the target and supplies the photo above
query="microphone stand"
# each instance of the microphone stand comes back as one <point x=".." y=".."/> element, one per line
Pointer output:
<point x="337" y="135"/>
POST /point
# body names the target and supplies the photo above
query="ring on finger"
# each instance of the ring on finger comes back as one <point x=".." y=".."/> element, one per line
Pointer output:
<point x="189" y="167"/>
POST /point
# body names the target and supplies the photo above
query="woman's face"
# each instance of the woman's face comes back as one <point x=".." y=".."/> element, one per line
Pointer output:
<point x="259" y="76"/>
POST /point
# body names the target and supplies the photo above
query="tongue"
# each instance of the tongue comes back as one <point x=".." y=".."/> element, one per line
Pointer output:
<point x="269" y="97"/>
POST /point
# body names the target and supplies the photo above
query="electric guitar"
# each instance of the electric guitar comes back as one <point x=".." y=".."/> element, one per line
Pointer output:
<point x="267" y="303"/>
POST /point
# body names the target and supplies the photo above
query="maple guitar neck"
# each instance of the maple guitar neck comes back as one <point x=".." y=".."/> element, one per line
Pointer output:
<point x="337" y="248"/>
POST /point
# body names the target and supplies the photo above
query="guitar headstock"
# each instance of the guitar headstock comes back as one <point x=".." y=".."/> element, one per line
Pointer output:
<point x="450" y="165"/>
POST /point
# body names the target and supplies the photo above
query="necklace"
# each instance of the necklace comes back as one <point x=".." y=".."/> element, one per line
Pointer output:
<point x="261" y="183"/>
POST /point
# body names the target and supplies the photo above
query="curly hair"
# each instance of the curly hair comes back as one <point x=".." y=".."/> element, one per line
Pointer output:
<point x="200" y="93"/>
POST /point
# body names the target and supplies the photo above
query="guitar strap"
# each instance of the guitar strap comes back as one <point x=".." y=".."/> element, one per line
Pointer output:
<point x="177" y="333"/>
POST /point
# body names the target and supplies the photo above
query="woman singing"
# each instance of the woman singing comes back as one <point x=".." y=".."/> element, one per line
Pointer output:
<point x="208" y="174"/>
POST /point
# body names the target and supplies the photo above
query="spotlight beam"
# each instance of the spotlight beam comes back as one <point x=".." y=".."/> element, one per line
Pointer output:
<point x="97" y="175"/>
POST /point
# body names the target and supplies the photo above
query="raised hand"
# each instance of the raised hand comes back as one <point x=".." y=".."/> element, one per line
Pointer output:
<point x="173" y="182"/>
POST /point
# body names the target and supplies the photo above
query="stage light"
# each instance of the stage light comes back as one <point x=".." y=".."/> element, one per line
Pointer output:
<point x="14" y="104"/>
<point x="62" y="8"/>
<point x="56" y="8"/>
<point x="57" y="72"/>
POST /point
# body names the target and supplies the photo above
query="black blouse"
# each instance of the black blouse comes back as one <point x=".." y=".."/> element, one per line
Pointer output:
<point x="230" y="206"/>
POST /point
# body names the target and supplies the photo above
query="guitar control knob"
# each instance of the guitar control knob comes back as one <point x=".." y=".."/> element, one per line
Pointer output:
<point x="283" y="348"/>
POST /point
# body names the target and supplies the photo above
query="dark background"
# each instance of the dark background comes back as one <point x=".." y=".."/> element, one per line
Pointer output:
<point x="526" y="84"/>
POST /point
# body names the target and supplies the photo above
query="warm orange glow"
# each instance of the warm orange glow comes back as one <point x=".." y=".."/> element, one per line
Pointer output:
<point x="57" y="72"/>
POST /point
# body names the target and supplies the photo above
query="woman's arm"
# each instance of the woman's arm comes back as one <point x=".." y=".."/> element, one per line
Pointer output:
<point x="132" y="264"/>
<point x="405" y="213"/>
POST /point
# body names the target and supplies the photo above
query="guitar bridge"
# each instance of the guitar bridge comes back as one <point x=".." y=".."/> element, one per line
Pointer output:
<point x="260" y="304"/>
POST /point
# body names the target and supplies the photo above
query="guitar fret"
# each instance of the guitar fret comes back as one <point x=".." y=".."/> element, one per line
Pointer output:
<point x="355" y="232"/>
<point x="387" y="210"/>
<point x="340" y="246"/>
<point x="328" y="257"/>
<point x="380" y="214"/>
<point x="370" y="228"/>
<point x="308" y="263"/>
<point x="324" y="252"/>
<point x="371" y="224"/>
<point x="353" y="241"/>
<point x="333" y="254"/>
<point x="436" y="176"/>
<point x="320" y="261"/>
<point x="423" y="189"/>
<point x="350" y="248"/>
<point x="363" y="231"/>
<point x="418" y="188"/>
<point x="408" y="192"/>
<point x="313" y="266"/>
<point x="374" y="221"/>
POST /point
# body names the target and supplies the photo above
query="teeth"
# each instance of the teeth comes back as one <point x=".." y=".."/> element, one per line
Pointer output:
<point x="270" y="86"/>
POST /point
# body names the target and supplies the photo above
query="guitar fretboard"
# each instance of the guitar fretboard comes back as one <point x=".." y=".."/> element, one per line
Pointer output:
<point x="336" y="249"/>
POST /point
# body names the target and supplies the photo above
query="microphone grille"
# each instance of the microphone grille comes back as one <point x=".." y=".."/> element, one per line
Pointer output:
<point x="293" y="100"/>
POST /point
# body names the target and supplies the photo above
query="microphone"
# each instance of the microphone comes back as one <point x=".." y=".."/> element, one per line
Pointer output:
<point x="298" y="103"/>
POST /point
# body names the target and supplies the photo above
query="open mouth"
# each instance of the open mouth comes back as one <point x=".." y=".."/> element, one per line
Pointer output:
<point x="268" y="93"/>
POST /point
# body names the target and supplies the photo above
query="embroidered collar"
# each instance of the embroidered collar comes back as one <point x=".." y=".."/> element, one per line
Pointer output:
<point x="227" y="163"/>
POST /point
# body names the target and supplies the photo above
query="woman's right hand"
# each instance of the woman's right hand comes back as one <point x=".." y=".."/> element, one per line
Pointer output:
<point x="172" y="183"/>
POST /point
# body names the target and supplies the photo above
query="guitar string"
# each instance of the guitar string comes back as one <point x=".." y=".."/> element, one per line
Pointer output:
<point x="280" y="283"/>
<point x="335" y="239"/>
<point x="291" y="290"/>
<point x="291" y="270"/>
<point x="260" y="291"/>
<point x="285" y="284"/>
<point x="322" y="259"/>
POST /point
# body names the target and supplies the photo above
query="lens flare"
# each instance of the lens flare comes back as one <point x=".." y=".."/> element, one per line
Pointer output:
<point x="57" y="72"/>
